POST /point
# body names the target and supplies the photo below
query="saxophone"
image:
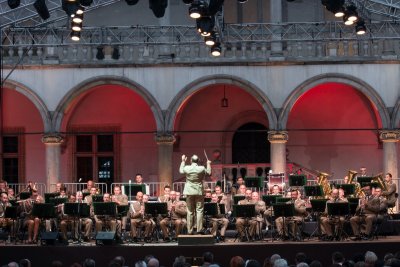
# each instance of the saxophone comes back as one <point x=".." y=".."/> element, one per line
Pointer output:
<point x="322" y="180"/>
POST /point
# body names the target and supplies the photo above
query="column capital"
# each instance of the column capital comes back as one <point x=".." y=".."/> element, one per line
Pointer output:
<point x="52" y="139"/>
<point x="165" y="139"/>
<point x="389" y="136"/>
<point x="278" y="137"/>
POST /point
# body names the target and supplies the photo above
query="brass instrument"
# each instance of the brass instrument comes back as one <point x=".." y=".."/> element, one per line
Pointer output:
<point x="322" y="180"/>
<point x="379" y="180"/>
<point x="357" y="190"/>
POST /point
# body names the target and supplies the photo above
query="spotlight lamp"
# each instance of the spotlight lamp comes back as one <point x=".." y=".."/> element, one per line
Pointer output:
<point x="13" y="3"/>
<point x="78" y="18"/>
<point x="100" y="53"/>
<point x="158" y="7"/>
<point x="187" y="2"/>
<point x="75" y="36"/>
<point x="76" y="27"/>
<point x="85" y="2"/>
<point x="244" y="1"/>
<point x="80" y="10"/>
<point x="205" y="25"/>
<point x="131" y="2"/>
<point x="360" y="27"/>
<point x="216" y="49"/>
<point x="41" y="9"/>
<point x="197" y="9"/>
<point x="210" y="40"/>
<point x="351" y="13"/>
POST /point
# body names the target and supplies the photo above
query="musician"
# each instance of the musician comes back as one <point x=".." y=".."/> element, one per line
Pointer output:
<point x="139" y="180"/>
<point x="235" y="187"/>
<point x="58" y="187"/>
<point x="3" y="186"/>
<point x="328" y="221"/>
<point x="11" y="194"/>
<point x="363" y="172"/>
<point x="86" y="222"/>
<point x="390" y="192"/>
<point x="178" y="195"/>
<point x="218" y="219"/>
<point x="89" y="185"/>
<point x="165" y="197"/>
<point x="109" y="221"/>
<point x="276" y="190"/>
<point x="257" y="221"/>
<point x="120" y="199"/>
<point x="299" y="214"/>
<point x="241" y="222"/>
<point x="177" y="216"/>
<point x="6" y="222"/>
<point x="139" y="218"/>
<point x="241" y="191"/>
<point x="366" y="214"/>
<point x="67" y="221"/>
<point x="223" y="199"/>
<point x="342" y="195"/>
<point x="29" y="221"/>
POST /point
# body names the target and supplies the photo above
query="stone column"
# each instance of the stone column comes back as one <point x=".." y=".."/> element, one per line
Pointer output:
<point x="165" y="149"/>
<point x="53" y="153"/>
<point x="276" y="17"/>
<point x="390" y="138"/>
<point x="278" y="141"/>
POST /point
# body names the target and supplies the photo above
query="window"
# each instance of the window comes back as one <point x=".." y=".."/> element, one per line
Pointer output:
<point x="12" y="159"/>
<point x="95" y="157"/>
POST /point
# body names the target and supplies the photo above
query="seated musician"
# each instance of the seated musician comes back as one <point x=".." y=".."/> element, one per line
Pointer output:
<point x="3" y="186"/>
<point x="223" y="199"/>
<point x="177" y="217"/>
<point x="31" y="222"/>
<point x="6" y="222"/>
<point x="89" y="185"/>
<point x="120" y="199"/>
<point x="218" y="220"/>
<point x="299" y="214"/>
<point x="241" y="191"/>
<point x="251" y="222"/>
<point x="85" y="222"/>
<point x="236" y="186"/>
<point x="67" y="221"/>
<point x="139" y="218"/>
<point x="367" y="212"/>
<point x="109" y="221"/>
<point x="327" y="221"/>
<point x="257" y="221"/>
<point x="276" y="190"/>
<point x="58" y="187"/>
<point x="89" y="198"/>
<point x="390" y="192"/>
<point x="165" y="196"/>
<point x="11" y="194"/>
<point x="342" y="195"/>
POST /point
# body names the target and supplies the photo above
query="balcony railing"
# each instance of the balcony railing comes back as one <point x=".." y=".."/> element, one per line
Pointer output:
<point x="251" y="43"/>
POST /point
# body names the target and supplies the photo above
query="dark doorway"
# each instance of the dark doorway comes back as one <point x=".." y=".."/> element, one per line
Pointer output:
<point x="250" y="144"/>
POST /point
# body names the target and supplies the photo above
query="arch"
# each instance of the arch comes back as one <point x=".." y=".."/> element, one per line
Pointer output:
<point x="358" y="84"/>
<point x="35" y="99"/>
<point x="85" y="86"/>
<point x="396" y="115"/>
<point x="197" y="85"/>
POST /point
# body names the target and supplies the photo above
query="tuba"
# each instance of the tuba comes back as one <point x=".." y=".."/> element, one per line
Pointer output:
<point x="351" y="174"/>
<point x="322" y="180"/>
<point x="379" y="180"/>
<point x="357" y="190"/>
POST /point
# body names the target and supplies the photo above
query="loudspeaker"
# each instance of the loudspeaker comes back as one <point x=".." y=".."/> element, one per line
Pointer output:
<point x="195" y="240"/>
<point x="105" y="238"/>
<point x="48" y="238"/>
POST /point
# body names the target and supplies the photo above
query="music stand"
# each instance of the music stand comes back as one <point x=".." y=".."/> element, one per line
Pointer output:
<point x="283" y="210"/>
<point x="155" y="209"/>
<point x="348" y="189"/>
<point x="97" y="198"/>
<point x="297" y="180"/>
<point x="254" y="182"/>
<point x="24" y="195"/>
<point x="236" y="199"/>
<point x="122" y="210"/>
<point x="244" y="211"/>
<point x="353" y="200"/>
<point x="207" y="199"/>
<point x="43" y="211"/>
<point x="210" y="209"/>
<point x="58" y="200"/>
<point x="337" y="210"/>
<point x="49" y="196"/>
<point x="365" y="180"/>
<point x="132" y="189"/>
<point x="318" y="206"/>
<point x="11" y="213"/>
<point x="77" y="211"/>
<point x="283" y="199"/>
<point x="270" y="199"/>
<point x="313" y="191"/>
<point x="222" y="208"/>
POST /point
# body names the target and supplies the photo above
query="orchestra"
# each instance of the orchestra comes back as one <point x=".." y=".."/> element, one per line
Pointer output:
<point x="367" y="204"/>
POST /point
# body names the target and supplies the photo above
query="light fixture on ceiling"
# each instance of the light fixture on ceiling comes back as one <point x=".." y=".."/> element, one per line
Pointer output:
<point x="216" y="49"/>
<point x="210" y="40"/>
<point x="100" y="53"/>
<point x="224" y="101"/>
<point x="75" y="36"/>
<point x="41" y="9"/>
<point x="115" y="54"/>
<point x="360" y="27"/>
<point x="158" y="7"/>
<point x="78" y="18"/>
<point x="76" y="27"/>
<point x="13" y="3"/>
<point x="197" y="9"/>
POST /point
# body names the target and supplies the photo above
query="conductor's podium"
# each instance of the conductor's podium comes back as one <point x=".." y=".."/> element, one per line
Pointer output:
<point x="196" y="240"/>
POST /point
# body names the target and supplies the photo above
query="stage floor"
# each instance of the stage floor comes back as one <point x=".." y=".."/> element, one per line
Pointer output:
<point x="43" y="255"/>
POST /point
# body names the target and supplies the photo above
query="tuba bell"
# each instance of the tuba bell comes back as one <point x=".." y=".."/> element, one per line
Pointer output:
<point x="351" y="175"/>
<point x="379" y="180"/>
<point x="322" y="180"/>
<point x="357" y="190"/>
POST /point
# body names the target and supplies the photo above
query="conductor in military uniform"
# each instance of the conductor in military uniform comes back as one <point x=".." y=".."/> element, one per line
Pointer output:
<point x="193" y="190"/>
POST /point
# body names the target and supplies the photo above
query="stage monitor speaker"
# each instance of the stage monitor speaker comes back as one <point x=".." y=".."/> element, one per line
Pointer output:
<point x="48" y="238"/>
<point x="196" y="240"/>
<point x="105" y="238"/>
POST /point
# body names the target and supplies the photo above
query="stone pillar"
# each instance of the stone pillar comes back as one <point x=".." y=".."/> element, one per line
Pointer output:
<point x="165" y="144"/>
<point x="390" y="138"/>
<point x="278" y="141"/>
<point x="53" y="153"/>
<point x="276" y="17"/>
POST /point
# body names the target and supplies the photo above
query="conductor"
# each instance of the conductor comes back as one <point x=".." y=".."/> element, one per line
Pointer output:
<point x="193" y="190"/>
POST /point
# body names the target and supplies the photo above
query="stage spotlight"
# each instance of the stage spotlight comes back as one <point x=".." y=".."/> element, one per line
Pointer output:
<point x="197" y="9"/>
<point x="41" y="9"/>
<point x="360" y="27"/>
<point x="13" y="3"/>
<point x="187" y="2"/>
<point x="85" y="2"/>
<point x="115" y="54"/>
<point x="76" y="26"/>
<point x="131" y="2"/>
<point x="100" y="53"/>
<point x="216" y="50"/>
<point x="78" y="18"/>
<point x="351" y="13"/>
<point x="158" y="7"/>
<point x="80" y="10"/>
<point x="75" y="36"/>
<point x="242" y="1"/>
<point x="214" y="6"/>
<point x="210" y="40"/>
<point x="205" y="25"/>
<point x="69" y="7"/>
